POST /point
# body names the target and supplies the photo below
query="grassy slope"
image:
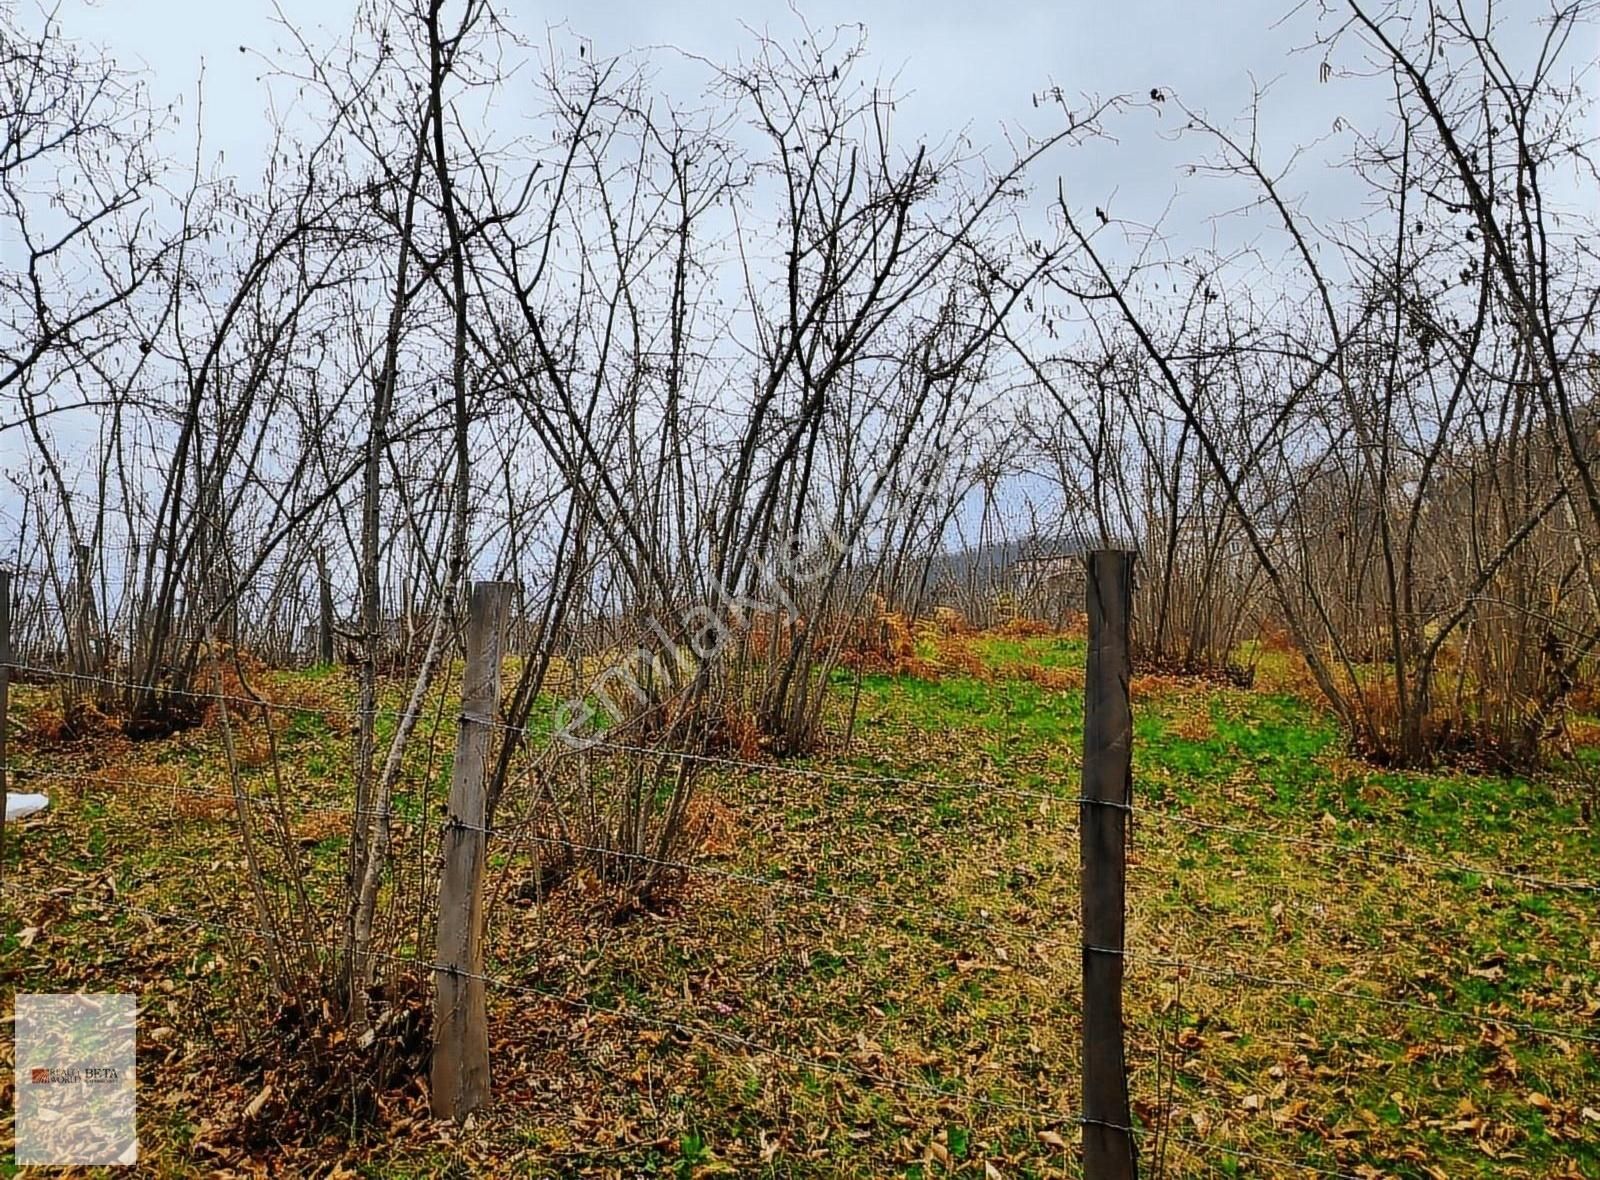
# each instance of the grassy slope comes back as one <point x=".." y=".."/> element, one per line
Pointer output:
<point x="926" y="934"/>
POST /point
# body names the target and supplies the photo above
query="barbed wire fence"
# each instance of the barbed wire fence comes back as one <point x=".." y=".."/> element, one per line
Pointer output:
<point x="468" y="835"/>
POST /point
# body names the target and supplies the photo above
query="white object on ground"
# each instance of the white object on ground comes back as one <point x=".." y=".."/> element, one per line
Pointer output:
<point x="21" y="806"/>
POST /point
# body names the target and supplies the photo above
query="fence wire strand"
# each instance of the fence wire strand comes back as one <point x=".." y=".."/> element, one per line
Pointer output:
<point x="1355" y="848"/>
<point x="706" y="1031"/>
<point x="865" y="901"/>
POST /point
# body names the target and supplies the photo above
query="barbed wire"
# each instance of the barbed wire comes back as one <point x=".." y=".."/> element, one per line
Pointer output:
<point x="782" y="884"/>
<point x="129" y="686"/>
<point x="700" y="1029"/>
<point x="771" y="768"/>
<point x="585" y="1005"/>
<point x="1359" y="848"/>
<point x="94" y="778"/>
<point x="986" y="926"/>
<point x="272" y="804"/>
<point x="1273" y="888"/>
<point x="836" y="774"/>
<point x="1355" y="848"/>
<point x="1300" y="985"/>
<point x="880" y="779"/>
<point x="697" y="868"/>
<point x="1138" y="812"/>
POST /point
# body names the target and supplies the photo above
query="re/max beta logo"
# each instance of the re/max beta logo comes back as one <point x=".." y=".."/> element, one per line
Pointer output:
<point x="73" y="1076"/>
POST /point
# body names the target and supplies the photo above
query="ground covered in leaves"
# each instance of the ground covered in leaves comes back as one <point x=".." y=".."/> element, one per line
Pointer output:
<point x="873" y="968"/>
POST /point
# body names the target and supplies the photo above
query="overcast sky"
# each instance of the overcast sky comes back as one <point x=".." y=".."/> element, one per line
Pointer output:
<point x="966" y="66"/>
<point x="960" y="66"/>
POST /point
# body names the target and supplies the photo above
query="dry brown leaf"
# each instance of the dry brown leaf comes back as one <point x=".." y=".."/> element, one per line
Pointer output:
<point x="259" y="1101"/>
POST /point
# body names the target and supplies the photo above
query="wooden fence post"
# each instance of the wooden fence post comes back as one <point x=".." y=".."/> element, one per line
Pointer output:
<point x="1108" y="1148"/>
<point x="130" y="580"/>
<point x="5" y="703"/>
<point x="460" y="1075"/>
<point x="84" y="614"/>
<point x="324" y="611"/>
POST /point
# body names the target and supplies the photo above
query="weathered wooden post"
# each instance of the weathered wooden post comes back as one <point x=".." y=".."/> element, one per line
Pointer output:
<point x="325" y="611"/>
<point x="1108" y="1147"/>
<point x="130" y="579"/>
<point x="5" y="702"/>
<point x="460" y="1075"/>
<point x="83" y="611"/>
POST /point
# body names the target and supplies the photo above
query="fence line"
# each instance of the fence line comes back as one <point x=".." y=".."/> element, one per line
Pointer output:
<point x="271" y="805"/>
<point x="737" y="1040"/>
<point x="122" y="685"/>
<point x="839" y="897"/>
<point x="94" y="778"/>
<point x="834" y="775"/>
<point x="839" y="774"/>
<point x="1163" y="815"/>
<point x="583" y="1005"/>
<point x="1298" y="985"/>
<point x="1356" y="848"/>
<point x="777" y="884"/>
<point x="1284" y="888"/>
<point x="781" y="884"/>
<point x="1360" y="848"/>
<point x="331" y="711"/>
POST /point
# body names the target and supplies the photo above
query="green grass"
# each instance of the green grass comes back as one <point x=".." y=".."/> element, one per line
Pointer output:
<point x="927" y="936"/>
<point x="1004" y="653"/>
